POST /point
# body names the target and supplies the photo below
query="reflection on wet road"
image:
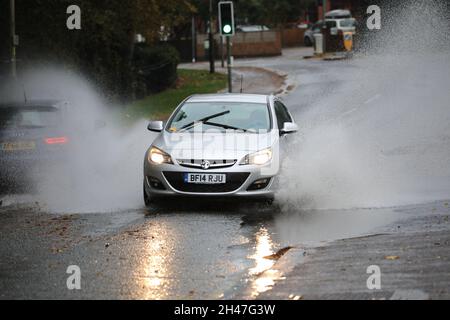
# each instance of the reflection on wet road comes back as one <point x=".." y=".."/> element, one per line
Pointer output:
<point x="262" y="278"/>
<point x="155" y="271"/>
<point x="208" y="255"/>
<point x="193" y="253"/>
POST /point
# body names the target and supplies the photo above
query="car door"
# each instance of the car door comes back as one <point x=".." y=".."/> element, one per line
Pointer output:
<point x="282" y="114"/>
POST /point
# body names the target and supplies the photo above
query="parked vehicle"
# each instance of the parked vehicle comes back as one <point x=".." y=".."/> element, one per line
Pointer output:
<point x="251" y="28"/>
<point x="338" y="14"/>
<point x="309" y="33"/>
<point x="347" y="24"/>
<point x="336" y="20"/>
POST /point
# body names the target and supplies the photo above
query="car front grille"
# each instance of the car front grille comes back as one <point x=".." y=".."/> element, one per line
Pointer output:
<point x="234" y="182"/>
<point x="212" y="164"/>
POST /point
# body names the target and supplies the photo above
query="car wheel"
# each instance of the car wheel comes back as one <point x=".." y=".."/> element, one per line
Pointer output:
<point x="308" y="42"/>
<point x="147" y="200"/>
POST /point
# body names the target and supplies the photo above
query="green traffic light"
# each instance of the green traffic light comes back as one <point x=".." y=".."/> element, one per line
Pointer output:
<point x="227" y="28"/>
<point x="226" y="18"/>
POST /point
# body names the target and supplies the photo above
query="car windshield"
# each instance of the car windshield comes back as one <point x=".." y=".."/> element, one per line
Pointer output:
<point x="347" y="23"/>
<point x="17" y="117"/>
<point x="239" y="116"/>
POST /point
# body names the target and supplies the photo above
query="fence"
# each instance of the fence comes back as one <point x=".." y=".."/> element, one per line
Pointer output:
<point x="245" y="44"/>
<point x="293" y="37"/>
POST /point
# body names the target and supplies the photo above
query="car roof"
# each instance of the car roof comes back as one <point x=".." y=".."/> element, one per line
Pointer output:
<point x="338" y="14"/>
<point x="44" y="103"/>
<point x="229" y="97"/>
<point x="252" y="28"/>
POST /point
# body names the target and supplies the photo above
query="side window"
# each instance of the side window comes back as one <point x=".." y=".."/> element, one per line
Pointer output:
<point x="331" y="24"/>
<point x="318" y="26"/>
<point x="282" y="114"/>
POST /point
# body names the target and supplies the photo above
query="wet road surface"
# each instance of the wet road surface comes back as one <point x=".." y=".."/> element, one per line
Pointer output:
<point x="194" y="253"/>
<point x="140" y="255"/>
<point x="229" y="251"/>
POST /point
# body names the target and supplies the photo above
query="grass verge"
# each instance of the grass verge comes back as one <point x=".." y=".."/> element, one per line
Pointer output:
<point x="159" y="106"/>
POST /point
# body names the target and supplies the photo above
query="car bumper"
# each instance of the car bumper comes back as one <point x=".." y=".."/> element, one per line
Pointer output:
<point x="244" y="177"/>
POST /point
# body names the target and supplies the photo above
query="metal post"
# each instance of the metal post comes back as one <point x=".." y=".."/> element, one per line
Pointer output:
<point x="211" y="39"/>
<point x="324" y="28"/>
<point x="230" y="78"/>
<point x="324" y="8"/>
<point x="194" y="40"/>
<point x="13" y="39"/>
<point x="222" y="52"/>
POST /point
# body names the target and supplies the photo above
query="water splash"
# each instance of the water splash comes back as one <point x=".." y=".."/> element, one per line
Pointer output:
<point x="382" y="137"/>
<point x="104" y="171"/>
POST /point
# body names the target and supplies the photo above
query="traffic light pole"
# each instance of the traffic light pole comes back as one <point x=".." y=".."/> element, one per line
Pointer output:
<point x="222" y="52"/>
<point x="212" y="67"/>
<point x="13" y="38"/>
<point x="226" y="22"/>
<point x="230" y="78"/>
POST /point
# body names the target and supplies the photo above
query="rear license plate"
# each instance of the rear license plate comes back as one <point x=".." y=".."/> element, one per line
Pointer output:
<point x="15" y="146"/>
<point x="205" y="178"/>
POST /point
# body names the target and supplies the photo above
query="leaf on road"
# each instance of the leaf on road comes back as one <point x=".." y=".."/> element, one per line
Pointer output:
<point x="392" y="257"/>
<point x="279" y="254"/>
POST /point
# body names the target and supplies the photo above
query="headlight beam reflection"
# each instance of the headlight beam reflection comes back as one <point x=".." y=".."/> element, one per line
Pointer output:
<point x="262" y="275"/>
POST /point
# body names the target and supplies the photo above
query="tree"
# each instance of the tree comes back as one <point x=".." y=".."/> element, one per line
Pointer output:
<point x="104" y="47"/>
<point x="269" y="12"/>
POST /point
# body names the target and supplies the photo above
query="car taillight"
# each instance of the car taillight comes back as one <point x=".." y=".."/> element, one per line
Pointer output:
<point x="57" y="140"/>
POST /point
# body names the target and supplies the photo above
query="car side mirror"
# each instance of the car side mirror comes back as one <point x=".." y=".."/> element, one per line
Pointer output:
<point x="156" y="126"/>
<point x="289" y="127"/>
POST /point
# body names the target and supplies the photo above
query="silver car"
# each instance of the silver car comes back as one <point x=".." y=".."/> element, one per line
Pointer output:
<point x="218" y="145"/>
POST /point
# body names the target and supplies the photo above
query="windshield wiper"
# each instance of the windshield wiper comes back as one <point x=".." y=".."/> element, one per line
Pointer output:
<point x="203" y="120"/>
<point x="225" y="126"/>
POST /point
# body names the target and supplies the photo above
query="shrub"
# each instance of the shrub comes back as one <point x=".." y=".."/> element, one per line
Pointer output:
<point x="155" y="67"/>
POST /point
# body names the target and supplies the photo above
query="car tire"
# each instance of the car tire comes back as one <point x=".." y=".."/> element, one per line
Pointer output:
<point x="147" y="199"/>
<point x="307" y="41"/>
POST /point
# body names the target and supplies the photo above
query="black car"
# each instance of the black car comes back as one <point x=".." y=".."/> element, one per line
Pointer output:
<point x="33" y="134"/>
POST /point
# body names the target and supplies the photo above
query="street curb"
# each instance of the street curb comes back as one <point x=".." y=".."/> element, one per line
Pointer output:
<point x="287" y="86"/>
<point x="281" y="90"/>
<point x="330" y="56"/>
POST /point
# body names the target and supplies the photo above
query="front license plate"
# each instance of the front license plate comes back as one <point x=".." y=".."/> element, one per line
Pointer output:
<point x="14" y="146"/>
<point x="205" y="178"/>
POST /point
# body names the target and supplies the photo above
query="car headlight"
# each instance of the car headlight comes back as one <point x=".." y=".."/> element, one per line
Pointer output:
<point x="258" y="158"/>
<point x="157" y="156"/>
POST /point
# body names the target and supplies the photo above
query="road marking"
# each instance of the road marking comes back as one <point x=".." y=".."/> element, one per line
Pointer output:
<point x="375" y="97"/>
<point x="348" y="112"/>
